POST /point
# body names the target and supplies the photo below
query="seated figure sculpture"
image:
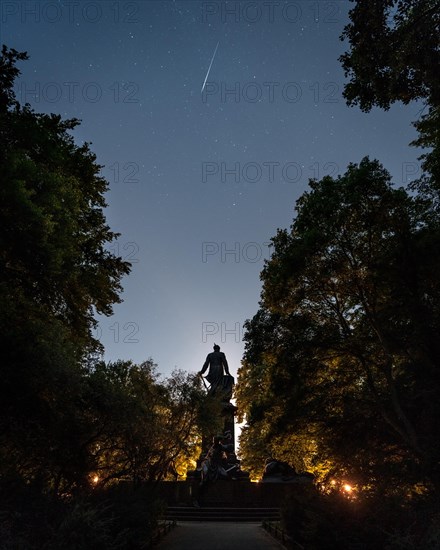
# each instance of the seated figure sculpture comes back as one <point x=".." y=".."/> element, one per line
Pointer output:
<point x="213" y="466"/>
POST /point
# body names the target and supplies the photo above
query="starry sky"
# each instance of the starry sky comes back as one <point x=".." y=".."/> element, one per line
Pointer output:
<point x="200" y="181"/>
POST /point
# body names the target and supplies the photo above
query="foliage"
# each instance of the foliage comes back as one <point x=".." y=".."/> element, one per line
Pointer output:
<point x="395" y="56"/>
<point x="73" y="428"/>
<point x="143" y="426"/>
<point x="340" y="368"/>
<point x="96" y="489"/>
<point x="393" y="53"/>
<point x="341" y="361"/>
<point x="55" y="274"/>
<point x="340" y="372"/>
<point x="55" y="264"/>
<point x="428" y="185"/>
<point x="116" y="518"/>
<point x="332" y="521"/>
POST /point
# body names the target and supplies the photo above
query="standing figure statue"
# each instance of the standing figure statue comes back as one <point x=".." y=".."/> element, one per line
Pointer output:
<point x="221" y="382"/>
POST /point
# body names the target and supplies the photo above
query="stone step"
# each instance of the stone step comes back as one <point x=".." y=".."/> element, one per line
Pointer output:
<point x="193" y="513"/>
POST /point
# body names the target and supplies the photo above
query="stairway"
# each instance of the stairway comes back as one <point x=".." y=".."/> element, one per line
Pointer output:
<point x="193" y="513"/>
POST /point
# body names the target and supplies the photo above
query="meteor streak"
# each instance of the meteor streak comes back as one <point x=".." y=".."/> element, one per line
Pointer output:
<point x="209" y="68"/>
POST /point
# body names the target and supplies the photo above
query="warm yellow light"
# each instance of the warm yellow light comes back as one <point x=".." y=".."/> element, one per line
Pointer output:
<point x="348" y="488"/>
<point x="95" y="479"/>
<point x="333" y="482"/>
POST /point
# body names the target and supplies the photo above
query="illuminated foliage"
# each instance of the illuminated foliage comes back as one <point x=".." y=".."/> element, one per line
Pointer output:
<point x="144" y="428"/>
<point x="341" y="361"/>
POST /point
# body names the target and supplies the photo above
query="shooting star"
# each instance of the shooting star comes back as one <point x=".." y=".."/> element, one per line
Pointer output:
<point x="209" y="68"/>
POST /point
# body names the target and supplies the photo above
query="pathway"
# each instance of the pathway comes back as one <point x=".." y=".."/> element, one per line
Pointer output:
<point x="218" y="536"/>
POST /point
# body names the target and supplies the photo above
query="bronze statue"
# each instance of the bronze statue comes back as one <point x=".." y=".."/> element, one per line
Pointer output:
<point x="213" y="466"/>
<point x="221" y="382"/>
<point x="276" y="471"/>
<point x="220" y="461"/>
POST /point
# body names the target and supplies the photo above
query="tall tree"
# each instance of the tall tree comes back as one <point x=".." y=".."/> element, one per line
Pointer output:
<point x="54" y="233"/>
<point x="56" y="272"/>
<point x="394" y="56"/>
<point x="394" y="52"/>
<point x="343" y="354"/>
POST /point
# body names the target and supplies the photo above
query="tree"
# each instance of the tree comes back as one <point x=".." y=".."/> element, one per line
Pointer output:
<point x="56" y="272"/>
<point x="395" y="56"/>
<point x="394" y="53"/>
<point x="54" y="234"/>
<point x="143" y="426"/>
<point x="341" y="362"/>
<point x="65" y="415"/>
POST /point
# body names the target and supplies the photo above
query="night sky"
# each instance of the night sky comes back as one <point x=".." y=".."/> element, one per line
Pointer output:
<point x="200" y="182"/>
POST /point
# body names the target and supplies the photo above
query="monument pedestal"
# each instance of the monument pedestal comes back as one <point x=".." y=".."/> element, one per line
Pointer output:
<point x="227" y="493"/>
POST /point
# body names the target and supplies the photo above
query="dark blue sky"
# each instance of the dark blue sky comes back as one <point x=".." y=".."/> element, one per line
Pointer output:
<point x="199" y="183"/>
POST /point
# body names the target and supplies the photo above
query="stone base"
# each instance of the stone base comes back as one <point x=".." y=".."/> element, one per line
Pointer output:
<point x="224" y="493"/>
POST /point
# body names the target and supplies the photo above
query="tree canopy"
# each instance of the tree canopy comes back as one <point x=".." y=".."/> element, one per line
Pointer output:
<point x="394" y="56"/>
<point x="340" y="374"/>
<point x="394" y="53"/>
<point x="340" y="370"/>
<point x="72" y="425"/>
<point x="56" y="273"/>
<point x="55" y="263"/>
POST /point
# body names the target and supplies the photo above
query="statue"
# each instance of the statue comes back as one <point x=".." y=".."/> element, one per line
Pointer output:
<point x="275" y="468"/>
<point x="276" y="471"/>
<point x="213" y="465"/>
<point x="220" y="461"/>
<point x="221" y="382"/>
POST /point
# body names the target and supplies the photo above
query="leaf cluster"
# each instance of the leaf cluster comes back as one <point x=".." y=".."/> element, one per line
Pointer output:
<point x="394" y="54"/>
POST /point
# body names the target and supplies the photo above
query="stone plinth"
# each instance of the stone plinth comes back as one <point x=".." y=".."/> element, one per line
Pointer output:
<point x="238" y="494"/>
